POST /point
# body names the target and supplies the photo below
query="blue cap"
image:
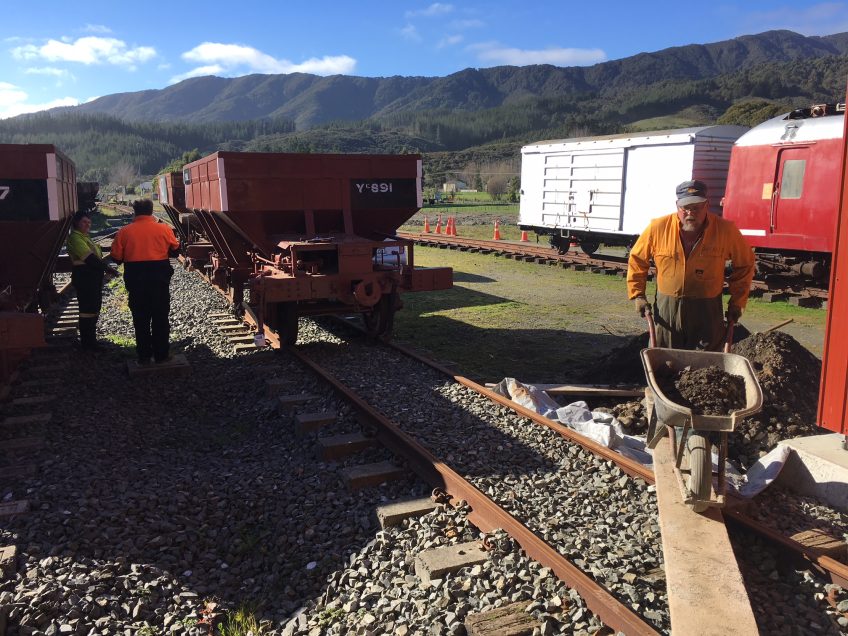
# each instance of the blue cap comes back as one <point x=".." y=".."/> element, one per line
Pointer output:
<point x="690" y="192"/>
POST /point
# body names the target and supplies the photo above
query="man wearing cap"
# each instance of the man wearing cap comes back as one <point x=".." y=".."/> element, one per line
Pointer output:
<point x="690" y="249"/>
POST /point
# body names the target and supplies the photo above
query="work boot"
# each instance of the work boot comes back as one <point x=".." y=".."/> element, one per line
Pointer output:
<point x="88" y="333"/>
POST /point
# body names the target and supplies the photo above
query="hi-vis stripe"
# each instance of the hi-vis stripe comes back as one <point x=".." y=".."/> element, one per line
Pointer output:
<point x="52" y="187"/>
<point x="222" y="185"/>
<point x="747" y="232"/>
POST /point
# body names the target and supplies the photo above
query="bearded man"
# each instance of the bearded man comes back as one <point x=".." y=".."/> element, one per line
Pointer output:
<point x="690" y="249"/>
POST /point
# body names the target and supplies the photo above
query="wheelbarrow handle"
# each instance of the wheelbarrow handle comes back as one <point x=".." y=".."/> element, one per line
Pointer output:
<point x="652" y="330"/>
<point x="728" y="339"/>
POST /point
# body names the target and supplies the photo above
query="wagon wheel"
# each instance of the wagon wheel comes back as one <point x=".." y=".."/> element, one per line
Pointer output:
<point x="589" y="248"/>
<point x="287" y="323"/>
<point x="380" y="319"/>
<point x="560" y="244"/>
<point x="700" y="471"/>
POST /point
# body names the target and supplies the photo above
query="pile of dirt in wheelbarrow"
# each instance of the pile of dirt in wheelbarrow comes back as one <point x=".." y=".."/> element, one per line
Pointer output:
<point x="789" y="376"/>
<point x="707" y="391"/>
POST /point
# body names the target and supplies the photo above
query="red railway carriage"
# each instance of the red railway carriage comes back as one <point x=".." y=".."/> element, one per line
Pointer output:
<point x="306" y="234"/>
<point x="782" y="189"/>
<point x="38" y="197"/>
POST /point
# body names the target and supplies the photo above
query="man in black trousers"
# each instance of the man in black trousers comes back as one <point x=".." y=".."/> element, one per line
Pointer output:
<point x="144" y="247"/>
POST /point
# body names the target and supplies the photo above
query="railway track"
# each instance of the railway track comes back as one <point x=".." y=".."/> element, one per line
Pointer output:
<point x="500" y="505"/>
<point x="601" y="264"/>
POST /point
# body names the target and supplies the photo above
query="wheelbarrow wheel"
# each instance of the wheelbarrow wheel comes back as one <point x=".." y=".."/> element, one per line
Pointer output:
<point x="700" y="471"/>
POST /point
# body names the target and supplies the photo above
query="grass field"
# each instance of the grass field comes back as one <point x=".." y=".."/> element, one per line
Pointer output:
<point x="542" y="324"/>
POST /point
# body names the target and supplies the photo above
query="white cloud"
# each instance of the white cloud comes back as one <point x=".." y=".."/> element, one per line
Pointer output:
<point x="235" y="59"/>
<point x="450" y="40"/>
<point x="819" y="19"/>
<point x="411" y="33"/>
<point x="87" y="50"/>
<point x="200" y="71"/>
<point x="13" y="101"/>
<point x="96" y="28"/>
<point x="493" y="53"/>
<point x="46" y="70"/>
<point x="435" y="9"/>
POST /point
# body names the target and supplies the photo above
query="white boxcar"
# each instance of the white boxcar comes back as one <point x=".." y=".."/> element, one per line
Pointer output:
<point x="605" y="190"/>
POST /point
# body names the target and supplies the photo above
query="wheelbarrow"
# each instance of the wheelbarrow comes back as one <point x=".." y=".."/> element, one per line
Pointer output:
<point x="692" y="434"/>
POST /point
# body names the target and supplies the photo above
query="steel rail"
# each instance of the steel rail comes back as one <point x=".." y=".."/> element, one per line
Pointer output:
<point x="631" y="467"/>
<point x="486" y="514"/>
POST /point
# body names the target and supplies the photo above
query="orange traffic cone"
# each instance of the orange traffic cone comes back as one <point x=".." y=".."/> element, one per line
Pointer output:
<point x="453" y="228"/>
<point x="439" y="225"/>
<point x="426" y="225"/>
<point x="497" y="235"/>
<point x="524" y="238"/>
<point x="449" y="227"/>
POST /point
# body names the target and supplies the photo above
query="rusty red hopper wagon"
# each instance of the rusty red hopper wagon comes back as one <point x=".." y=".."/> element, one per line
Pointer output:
<point x="306" y="234"/>
<point x="38" y="197"/>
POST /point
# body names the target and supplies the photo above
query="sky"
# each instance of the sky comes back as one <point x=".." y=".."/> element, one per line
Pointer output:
<point x="60" y="53"/>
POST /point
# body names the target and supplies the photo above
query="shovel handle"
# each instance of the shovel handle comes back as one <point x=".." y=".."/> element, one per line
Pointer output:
<point x="728" y="339"/>
<point x="652" y="330"/>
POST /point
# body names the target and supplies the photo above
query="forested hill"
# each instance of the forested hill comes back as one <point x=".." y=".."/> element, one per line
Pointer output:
<point x="309" y="100"/>
<point x="473" y="117"/>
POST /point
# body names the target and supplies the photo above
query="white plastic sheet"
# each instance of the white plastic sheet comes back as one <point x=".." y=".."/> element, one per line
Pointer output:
<point x="760" y="475"/>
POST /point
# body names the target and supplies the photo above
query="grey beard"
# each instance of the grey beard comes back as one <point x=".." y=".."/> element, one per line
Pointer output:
<point x="690" y="225"/>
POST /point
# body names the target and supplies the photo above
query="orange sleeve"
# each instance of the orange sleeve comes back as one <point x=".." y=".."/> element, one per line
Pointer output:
<point x="173" y="241"/>
<point x="742" y="258"/>
<point x="638" y="265"/>
<point x="117" y="249"/>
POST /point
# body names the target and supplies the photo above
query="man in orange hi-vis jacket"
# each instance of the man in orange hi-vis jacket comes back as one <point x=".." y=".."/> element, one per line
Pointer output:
<point x="690" y="249"/>
<point x="143" y="247"/>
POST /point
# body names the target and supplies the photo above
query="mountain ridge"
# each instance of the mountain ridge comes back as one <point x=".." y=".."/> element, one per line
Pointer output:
<point x="311" y="100"/>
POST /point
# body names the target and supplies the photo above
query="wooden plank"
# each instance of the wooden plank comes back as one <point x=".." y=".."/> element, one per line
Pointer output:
<point x="509" y="620"/>
<point x="706" y="592"/>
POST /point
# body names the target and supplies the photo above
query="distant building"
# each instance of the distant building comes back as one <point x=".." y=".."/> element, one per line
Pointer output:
<point x="454" y="185"/>
<point x="145" y="187"/>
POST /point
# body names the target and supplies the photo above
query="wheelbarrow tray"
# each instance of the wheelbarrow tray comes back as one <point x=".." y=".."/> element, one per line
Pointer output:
<point x="675" y="360"/>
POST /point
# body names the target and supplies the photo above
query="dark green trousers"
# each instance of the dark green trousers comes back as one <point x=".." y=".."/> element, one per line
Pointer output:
<point x="689" y="323"/>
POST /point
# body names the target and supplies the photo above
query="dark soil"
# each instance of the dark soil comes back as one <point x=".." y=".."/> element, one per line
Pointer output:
<point x="707" y="391"/>
<point x="789" y="376"/>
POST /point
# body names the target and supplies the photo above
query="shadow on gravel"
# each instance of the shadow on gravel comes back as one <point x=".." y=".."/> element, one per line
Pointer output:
<point x="167" y="490"/>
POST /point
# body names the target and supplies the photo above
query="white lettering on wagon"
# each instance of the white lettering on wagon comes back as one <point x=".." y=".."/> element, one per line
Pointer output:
<point x="4" y="192"/>
<point x="374" y="188"/>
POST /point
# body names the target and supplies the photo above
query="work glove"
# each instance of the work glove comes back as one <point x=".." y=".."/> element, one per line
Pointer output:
<point x="733" y="313"/>
<point x="642" y="306"/>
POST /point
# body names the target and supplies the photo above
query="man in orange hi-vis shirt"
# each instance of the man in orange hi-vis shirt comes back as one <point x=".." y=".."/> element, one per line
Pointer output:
<point x="690" y="249"/>
<point x="143" y="247"/>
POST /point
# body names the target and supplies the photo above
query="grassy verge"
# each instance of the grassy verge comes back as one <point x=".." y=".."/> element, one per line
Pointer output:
<point x="542" y="324"/>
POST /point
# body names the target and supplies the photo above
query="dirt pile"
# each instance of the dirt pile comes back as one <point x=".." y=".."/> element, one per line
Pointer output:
<point x="707" y="391"/>
<point x="622" y="365"/>
<point x="789" y="376"/>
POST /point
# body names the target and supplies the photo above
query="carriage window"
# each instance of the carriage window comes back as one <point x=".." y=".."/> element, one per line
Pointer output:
<point x="792" y="185"/>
